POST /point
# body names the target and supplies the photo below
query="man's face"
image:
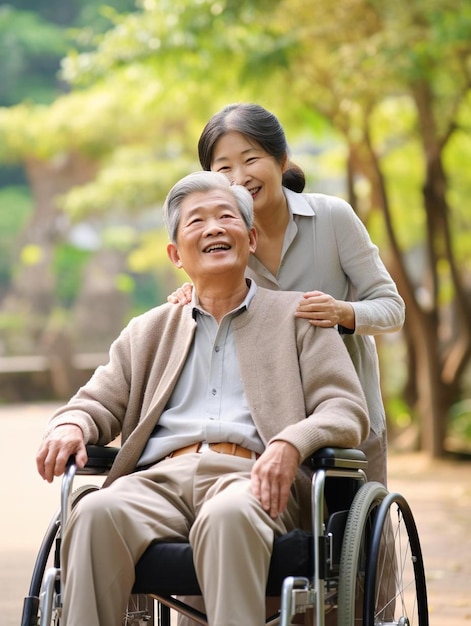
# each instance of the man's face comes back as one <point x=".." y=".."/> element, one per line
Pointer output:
<point x="212" y="237"/>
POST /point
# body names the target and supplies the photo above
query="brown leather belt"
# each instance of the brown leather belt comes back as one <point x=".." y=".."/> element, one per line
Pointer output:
<point x="223" y="448"/>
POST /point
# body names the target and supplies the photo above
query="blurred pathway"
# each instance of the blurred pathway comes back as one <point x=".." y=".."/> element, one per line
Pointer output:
<point x="439" y="494"/>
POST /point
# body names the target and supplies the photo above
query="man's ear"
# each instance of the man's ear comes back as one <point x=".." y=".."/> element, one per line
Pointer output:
<point x="253" y="238"/>
<point x="172" y="252"/>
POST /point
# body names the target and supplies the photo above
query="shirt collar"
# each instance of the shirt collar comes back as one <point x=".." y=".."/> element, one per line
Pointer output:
<point x="297" y="203"/>
<point x="196" y="308"/>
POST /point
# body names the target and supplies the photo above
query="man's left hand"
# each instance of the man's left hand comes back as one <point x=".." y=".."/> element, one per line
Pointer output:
<point x="273" y="474"/>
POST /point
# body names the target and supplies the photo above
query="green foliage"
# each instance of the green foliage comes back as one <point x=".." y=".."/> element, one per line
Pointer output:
<point x="15" y="207"/>
<point x="459" y="431"/>
<point x="134" y="178"/>
<point x="151" y="252"/>
<point x="147" y="292"/>
<point x="195" y="33"/>
<point x="34" y="37"/>
<point x="457" y="157"/>
<point x="15" y="204"/>
<point x="69" y="262"/>
<point x="118" y="237"/>
<point x="30" y="49"/>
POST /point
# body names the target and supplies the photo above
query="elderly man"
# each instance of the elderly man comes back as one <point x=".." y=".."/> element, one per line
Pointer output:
<point x="218" y="404"/>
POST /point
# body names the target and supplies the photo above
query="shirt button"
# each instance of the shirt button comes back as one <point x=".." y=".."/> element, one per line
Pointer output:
<point x="214" y="392"/>
<point x="216" y="349"/>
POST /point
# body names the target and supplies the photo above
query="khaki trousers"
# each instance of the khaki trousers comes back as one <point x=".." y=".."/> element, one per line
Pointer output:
<point x="376" y="451"/>
<point x="201" y="498"/>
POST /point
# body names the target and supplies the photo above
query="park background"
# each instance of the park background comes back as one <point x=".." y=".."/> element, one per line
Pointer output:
<point x="101" y="107"/>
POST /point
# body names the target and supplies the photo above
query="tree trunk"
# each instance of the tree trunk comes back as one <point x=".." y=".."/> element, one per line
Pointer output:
<point x="31" y="297"/>
<point x="435" y="393"/>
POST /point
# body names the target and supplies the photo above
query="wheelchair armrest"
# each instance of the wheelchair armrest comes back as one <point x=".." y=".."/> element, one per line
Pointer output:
<point x="342" y="458"/>
<point x="100" y="460"/>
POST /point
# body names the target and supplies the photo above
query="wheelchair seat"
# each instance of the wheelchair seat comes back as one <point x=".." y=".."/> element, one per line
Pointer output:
<point x="175" y="574"/>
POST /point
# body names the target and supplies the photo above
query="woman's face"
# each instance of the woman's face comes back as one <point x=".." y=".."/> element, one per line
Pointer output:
<point x="246" y="163"/>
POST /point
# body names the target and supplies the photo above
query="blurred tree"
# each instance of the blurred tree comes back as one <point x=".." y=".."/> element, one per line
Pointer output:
<point x="15" y="209"/>
<point x="30" y="49"/>
<point x="35" y="37"/>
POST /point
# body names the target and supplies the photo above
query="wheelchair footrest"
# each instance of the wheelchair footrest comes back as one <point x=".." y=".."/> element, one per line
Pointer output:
<point x="303" y="599"/>
<point x="297" y="595"/>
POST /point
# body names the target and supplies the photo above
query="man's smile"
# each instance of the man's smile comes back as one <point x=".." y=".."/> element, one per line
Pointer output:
<point x="214" y="247"/>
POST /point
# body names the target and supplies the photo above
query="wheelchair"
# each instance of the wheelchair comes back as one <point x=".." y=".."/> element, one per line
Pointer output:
<point x="362" y="561"/>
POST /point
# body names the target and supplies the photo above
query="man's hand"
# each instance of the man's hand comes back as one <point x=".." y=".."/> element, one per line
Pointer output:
<point x="55" y="450"/>
<point x="273" y="474"/>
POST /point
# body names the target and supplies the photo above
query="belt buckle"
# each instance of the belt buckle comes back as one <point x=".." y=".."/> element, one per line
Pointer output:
<point x="204" y="446"/>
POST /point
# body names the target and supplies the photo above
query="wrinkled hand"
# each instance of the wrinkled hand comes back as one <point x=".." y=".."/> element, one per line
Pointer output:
<point x="182" y="295"/>
<point x="57" y="447"/>
<point x="321" y="309"/>
<point x="272" y="476"/>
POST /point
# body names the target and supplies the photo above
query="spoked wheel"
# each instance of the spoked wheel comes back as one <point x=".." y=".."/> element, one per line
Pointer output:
<point x="139" y="612"/>
<point x="355" y="551"/>
<point x="395" y="587"/>
<point x="31" y="602"/>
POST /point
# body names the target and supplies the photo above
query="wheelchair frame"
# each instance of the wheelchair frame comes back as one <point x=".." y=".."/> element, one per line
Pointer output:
<point x="352" y="555"/>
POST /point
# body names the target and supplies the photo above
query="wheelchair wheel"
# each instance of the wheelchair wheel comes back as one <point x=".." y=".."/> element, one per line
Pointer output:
<point x="395" y="587"/>
<point x="357" y="538"/>
<point x="48" y="555"/>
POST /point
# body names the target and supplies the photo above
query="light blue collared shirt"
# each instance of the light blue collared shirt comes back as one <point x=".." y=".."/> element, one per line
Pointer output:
<point x="208" y="402"/>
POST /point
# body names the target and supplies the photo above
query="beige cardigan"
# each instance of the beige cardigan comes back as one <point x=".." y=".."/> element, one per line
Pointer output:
<point x="299" y="381"/>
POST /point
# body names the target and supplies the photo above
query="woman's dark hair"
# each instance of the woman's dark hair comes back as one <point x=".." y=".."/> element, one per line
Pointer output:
<point x="258" y="124"/>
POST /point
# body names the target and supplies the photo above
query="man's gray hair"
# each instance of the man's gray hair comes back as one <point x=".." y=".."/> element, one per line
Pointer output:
<point x="201" y="182"/>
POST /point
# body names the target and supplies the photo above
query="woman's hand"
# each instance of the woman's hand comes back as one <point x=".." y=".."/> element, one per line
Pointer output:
<point x="182" y="295"/>
<point x="324" y="311"/>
